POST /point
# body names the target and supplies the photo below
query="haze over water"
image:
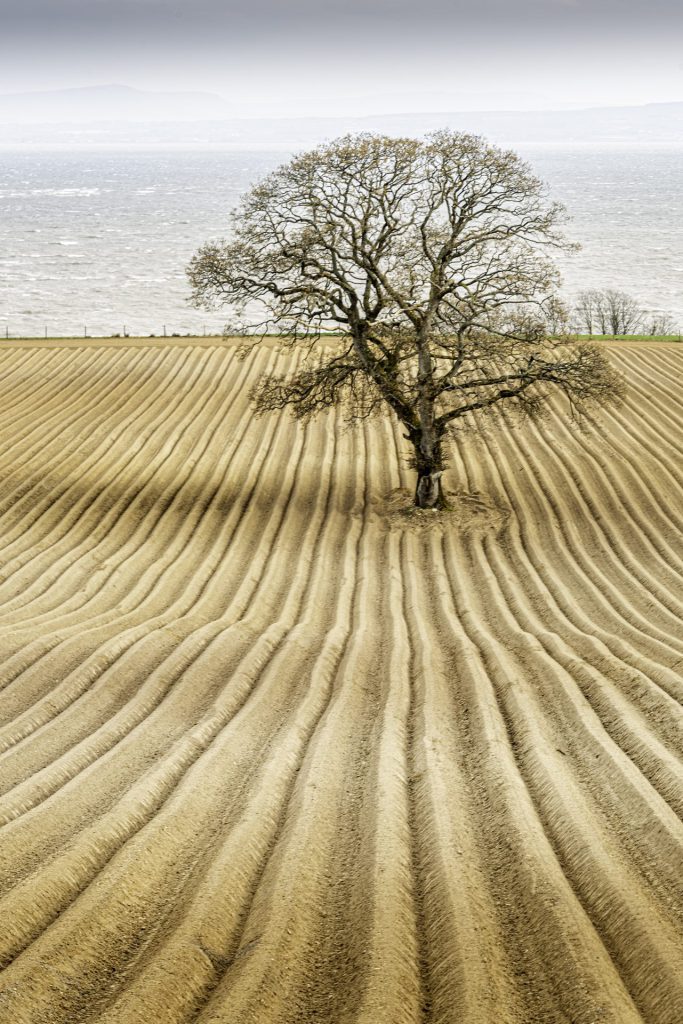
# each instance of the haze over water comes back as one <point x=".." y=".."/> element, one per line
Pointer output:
<point x="100" y="240"/>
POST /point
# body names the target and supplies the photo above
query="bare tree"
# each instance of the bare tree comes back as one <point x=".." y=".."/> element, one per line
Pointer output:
<point x="557" y="317"/>
<point x="661" y="324"/>
<point x="589" y="311"/>
<point x="624" y="315"/>
<point x="608" y="311"/>
<point x="429" y="257"/>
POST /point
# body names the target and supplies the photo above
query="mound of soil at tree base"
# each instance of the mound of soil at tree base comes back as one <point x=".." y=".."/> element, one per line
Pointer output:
<point x="463" y="511"/>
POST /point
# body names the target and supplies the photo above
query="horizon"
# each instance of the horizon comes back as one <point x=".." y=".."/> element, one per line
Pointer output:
<point x="117" y="113"/>
<point x="126" y="87"/>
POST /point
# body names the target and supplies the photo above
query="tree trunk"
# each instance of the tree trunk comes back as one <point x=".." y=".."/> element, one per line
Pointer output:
<point x="426" y="437"/>
<point x="429" y="466"/>
<point x="429" y="493"/>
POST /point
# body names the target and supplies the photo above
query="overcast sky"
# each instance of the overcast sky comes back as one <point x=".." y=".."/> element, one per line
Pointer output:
<point x="301" y="57"/>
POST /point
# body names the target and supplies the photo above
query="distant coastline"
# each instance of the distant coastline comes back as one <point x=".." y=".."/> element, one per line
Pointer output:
<point x="116" y="116"/>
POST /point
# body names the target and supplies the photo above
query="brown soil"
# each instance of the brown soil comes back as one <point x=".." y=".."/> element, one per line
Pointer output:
<point x="277" y="749"/>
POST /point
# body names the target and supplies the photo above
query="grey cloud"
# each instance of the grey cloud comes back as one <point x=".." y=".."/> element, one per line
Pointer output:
<point x="310" y="17"/>
<point x="301" y="48"/>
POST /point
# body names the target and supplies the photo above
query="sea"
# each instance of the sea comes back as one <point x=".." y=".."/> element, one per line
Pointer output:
<point x="95" y="242"/>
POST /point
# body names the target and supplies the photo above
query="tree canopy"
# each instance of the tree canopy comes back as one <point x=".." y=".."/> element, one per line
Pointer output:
<point x="432" y="258"/>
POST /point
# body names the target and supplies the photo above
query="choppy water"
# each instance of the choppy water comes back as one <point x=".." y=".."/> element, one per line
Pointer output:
<point x="99" y="240"/>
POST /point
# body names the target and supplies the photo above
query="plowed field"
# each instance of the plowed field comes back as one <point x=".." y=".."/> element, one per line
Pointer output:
<point x="272" y="752"/>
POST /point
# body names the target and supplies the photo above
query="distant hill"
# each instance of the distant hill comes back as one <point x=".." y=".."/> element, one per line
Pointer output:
<point x="109" y="103"/>
<point x="117" y="114"/>
<point x="651" y="124"/>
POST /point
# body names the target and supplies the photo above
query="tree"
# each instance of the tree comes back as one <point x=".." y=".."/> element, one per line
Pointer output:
<point x="624" y="315"/>
<point x="589" y="312"/>
<point x="661" y="324"/>
<point x="429" y="258"/>
<point x="557" y="317"/>
<point x="608" y="311"/>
